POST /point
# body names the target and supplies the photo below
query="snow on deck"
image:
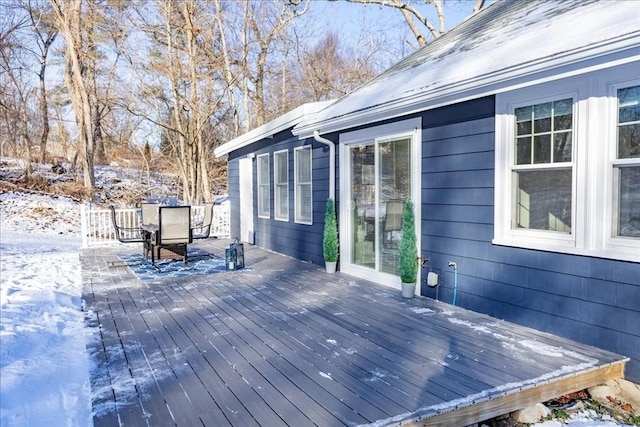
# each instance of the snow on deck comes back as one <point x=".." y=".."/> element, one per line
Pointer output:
<point x="283" y="343"/>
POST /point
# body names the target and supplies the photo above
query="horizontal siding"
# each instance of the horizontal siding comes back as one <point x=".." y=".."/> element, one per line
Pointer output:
<point x="300" y="241"/>
<point x="233" y="185"/>
<point x="595" y="301"/>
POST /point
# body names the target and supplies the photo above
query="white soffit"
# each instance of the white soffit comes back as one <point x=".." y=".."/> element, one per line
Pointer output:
<point x="286" y="121"/>
<point x="498" y="49"/>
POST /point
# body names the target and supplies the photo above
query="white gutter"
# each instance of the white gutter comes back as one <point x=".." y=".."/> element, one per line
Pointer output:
<point x="332" y="163"/>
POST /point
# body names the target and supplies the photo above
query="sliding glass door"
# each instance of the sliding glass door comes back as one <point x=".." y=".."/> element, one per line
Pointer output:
<point x="380" y="182"/>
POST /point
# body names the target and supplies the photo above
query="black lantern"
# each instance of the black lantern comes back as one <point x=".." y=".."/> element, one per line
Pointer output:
<point x="234" y="256"/>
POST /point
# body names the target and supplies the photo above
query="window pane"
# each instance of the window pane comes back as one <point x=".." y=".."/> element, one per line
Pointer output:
<point x="543" y="200"/>
<point x="562" y="147"/>
<point x="264" y="202"/>
<point x="281" y="178"/>
<point x="524" y="128"/>
<point x="303" y="196"/>
<point x="562" y="114"/>
<point x="542" y="117"/>
<point x="629" y="104"/>
<point x="629" y="122"/>
<point x="523" y="151"/>
<point x="629" y="141"/>
<point x="542" y="149"/>
<point x="305" y="203"/>
<point x="629" y="202"/>
<point x="282" y="168"/>
<point x="552" y="129"/>
<point x="523" y="120"/>
<point x="303" y="165"/>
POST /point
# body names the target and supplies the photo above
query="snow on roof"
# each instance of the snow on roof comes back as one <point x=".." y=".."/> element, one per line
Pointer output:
<point x="503" y="46"/>
<point x="286" y="121"/>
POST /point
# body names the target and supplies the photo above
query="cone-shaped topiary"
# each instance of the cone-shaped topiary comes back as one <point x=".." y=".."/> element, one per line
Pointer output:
<point x="330" y="238"/>
<point x="408" y="246"/>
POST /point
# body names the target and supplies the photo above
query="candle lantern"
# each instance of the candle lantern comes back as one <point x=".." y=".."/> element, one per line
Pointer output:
<point x="234" y="256"/>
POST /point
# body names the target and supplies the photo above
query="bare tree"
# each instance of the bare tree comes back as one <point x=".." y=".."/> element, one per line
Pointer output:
<point x="17" y="89"/>
<point x="266" y="23"/>
<point x="330" y="71"/>
<point x="181" y="84"/>
<point x="45" y="33"/>
<point x="69" y="21"/>
<point x="415" y="19"/>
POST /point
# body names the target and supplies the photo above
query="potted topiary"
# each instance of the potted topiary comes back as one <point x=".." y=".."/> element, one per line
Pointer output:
<point x="330" y="238"/>
<point x="408" y="252"/>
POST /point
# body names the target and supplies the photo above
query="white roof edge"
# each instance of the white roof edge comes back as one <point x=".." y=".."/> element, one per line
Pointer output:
<point x="495" y="82"/>
<point x="286" y="121"/>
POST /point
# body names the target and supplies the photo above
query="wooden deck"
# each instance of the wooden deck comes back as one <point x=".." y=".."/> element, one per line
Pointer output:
<point x="283" y="343"/>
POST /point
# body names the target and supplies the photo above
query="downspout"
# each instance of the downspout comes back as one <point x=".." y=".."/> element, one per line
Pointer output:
<point x="332" y="163"/>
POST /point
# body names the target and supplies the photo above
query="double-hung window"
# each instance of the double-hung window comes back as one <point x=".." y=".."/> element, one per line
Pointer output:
<point x="264" y="188"/>
<point x="567" y="173"/>
<point x="303" y="190"/>
<point x="281" y="184"/>
<point x="543" y="172"/>
<point x="626" y="165"/>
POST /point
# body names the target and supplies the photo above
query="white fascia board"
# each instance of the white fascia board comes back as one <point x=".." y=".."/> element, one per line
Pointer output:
<point x="286" y="121"/>
<point x="601" y="56"/>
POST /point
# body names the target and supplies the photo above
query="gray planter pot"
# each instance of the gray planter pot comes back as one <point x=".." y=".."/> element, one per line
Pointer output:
<point x="330" y="266"/>
<point x="408" y="290"/>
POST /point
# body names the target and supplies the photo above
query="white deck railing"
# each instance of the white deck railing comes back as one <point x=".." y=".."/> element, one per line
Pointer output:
<point x="97" y="227"/>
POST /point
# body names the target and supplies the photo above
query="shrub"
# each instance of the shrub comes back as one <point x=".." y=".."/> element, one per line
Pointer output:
<point x="330" y="237"/>
<point x="408" y="246"/>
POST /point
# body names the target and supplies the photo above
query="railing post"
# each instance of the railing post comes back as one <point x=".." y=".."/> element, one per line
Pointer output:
<point x="84" y="225"/>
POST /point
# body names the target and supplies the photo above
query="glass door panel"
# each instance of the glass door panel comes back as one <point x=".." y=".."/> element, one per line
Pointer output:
<point x="363" y="220"/>
<point x="380" y="185"/>
<point x="394" y="184"/>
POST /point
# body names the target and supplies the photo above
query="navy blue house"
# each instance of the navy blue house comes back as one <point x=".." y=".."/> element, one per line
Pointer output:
<point x="517" y="137"/>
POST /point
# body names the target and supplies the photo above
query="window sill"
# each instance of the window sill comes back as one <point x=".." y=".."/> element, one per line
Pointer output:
<point x="628" y="252"/>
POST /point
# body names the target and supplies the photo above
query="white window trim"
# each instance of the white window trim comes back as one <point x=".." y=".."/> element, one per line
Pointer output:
<point x="264" y="186"/>
<point x="296" y="196"/>
<point x="277" y="187"/>
<point x="593" y="157"/>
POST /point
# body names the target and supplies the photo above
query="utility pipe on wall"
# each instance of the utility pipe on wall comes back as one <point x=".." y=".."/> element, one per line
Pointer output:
<point x="332" y="163"/>
<point x="455" y="280"/>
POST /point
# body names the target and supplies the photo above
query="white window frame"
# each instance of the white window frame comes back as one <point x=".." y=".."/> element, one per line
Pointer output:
<point x="264" y="187"/>
<point x="298" y="185"/>
<point x="280" y="187"/>
<point x="614" y="242"/>
<point x="594" y="145"/>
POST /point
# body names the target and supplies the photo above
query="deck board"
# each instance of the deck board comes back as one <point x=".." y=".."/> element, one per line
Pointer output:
<point x="283" y="343"/>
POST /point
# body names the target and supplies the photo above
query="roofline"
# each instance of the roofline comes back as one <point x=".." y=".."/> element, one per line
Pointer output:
<point x="286" y="121"/>
<point x="608" y="53"/>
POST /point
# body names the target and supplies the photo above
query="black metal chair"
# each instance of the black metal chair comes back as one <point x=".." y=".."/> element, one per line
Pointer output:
<point x="202" y="230"/>
<point x="126" y="234"/>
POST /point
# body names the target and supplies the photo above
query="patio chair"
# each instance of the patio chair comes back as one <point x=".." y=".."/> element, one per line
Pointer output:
<point x="174" y="233"/>
<point x="393" y="223"/>
<point x="126" y="234"/>
<point x="149" y="213"/>
<point x="202" y="229"/>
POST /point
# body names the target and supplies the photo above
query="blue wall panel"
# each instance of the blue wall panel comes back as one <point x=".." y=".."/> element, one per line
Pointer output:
<point x="300" y="241"/>
<point x="592" y="300"/>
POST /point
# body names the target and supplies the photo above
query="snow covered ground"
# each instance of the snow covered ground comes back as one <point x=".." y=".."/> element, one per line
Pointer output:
<point x="44" y="368"/>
